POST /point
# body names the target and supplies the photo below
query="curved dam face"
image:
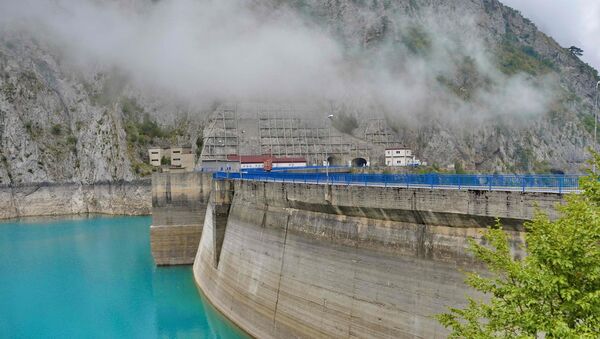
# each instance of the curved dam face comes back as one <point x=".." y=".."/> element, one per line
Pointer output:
<point x="300" y="260"/>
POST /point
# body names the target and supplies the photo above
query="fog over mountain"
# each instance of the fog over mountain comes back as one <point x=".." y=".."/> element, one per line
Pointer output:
<point x="469" y="81"/>
<point x="236" y="50"/>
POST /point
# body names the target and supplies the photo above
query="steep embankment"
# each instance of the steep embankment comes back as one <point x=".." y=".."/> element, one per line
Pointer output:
<point x="127" y="198"/>
<point x="296" y="260"/>
<point x="75" y="142"/>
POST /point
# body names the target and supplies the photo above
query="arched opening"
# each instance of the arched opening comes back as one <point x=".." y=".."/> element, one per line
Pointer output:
<point x="333" y="160"/>
<point x="359" y="162"/>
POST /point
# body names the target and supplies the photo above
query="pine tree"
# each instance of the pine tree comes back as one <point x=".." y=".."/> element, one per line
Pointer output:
<point x="576" y="51"/>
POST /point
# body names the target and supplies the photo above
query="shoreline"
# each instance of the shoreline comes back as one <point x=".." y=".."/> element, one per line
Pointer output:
<point x="72" y="215"/>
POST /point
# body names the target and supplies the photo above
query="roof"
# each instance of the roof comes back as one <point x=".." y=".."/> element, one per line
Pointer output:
<point x="254" y="159"/>
<point x="397" y="148"/>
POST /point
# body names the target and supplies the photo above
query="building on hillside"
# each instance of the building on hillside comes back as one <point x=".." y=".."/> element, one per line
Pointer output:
<point x="220" y="166"/>
<point x="179" y="158"/>
<point x="400" y="156"/>
<point x="259" y="161"/>
<point x="155" y="155"/>
<point x="307" y="130"/>
<point x="182" y="158"/>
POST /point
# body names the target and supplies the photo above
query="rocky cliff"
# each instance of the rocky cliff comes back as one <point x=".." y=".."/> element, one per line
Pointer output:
<point x="489" y="46"/>
<point x="60" y="123"/>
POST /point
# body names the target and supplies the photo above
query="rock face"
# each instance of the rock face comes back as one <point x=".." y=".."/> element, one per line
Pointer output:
<point x="486" y="138"/>
<point x="64" y="125"/>
<point x="59" y="125"/>
<point x="50" y="131"/>
<point x="126" y="198"/>
<point x="72" y="142"/>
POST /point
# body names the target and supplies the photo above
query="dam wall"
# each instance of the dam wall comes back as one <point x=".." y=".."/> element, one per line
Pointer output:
<point x="178" y="208"/>
<point x="317" y="261"/>
<point x="48" y="199"/>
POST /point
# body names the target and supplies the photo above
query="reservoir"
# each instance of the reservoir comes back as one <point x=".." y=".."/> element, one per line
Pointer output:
<point x="93" y="277"/>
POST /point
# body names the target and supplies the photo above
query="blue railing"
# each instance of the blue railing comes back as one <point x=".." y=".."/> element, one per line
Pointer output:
<point x="552" y="183"/>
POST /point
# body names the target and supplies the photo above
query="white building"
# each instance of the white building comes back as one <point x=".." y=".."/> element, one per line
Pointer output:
<point x="180" y="158"/>
<point x="155" y="155"/>
<point x="400" y="156"/>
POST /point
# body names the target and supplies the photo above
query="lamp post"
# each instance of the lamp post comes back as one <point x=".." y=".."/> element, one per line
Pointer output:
<point x="330" y="117"/>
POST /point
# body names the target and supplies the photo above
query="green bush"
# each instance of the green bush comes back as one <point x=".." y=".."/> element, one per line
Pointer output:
<point x="56" y="129"/>
<point x="513" y="59"/>
<point x="151" y="128"/>
<point x="551" y="292"/>
<point x="417" y="40"/>
<point x="199" y="144"/>
<point x="131" y="109"/>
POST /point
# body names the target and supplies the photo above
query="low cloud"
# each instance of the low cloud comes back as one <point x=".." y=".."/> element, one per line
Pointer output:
<point x="234" y="50"/>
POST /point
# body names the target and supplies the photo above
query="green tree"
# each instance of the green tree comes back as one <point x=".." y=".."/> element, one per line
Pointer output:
<point x="554" y="291"/>
<point x="576" y="51"/>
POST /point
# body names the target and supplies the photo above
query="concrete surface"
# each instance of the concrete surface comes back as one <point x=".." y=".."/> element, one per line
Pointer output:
<point x="178" y="208"/>
<point x="313" y="261"/>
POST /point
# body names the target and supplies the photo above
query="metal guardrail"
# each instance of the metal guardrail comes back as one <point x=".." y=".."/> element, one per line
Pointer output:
<point x="505" y="182"/>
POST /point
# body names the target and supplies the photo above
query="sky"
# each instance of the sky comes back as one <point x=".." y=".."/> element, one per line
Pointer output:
<point x="569" y="22"/>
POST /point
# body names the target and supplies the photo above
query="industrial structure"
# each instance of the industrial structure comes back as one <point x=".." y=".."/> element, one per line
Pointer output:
<point x="260" y="161"/>
<point x="323" y="255"/>
<point x="178" y="159"/>
<point x="293" y="131"/>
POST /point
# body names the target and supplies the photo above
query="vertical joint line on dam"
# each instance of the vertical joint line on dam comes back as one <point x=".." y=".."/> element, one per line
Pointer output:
<point x="168" y="190"/>
<point x="287" y="222"/>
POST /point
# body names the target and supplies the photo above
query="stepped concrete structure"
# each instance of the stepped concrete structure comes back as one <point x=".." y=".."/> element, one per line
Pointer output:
<point x="278" y="130"/>
<point x="285" y="260"/>
<point x="178" y="207"/>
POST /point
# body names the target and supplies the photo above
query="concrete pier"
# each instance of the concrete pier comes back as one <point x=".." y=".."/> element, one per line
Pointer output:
<point x="178" y="208"/>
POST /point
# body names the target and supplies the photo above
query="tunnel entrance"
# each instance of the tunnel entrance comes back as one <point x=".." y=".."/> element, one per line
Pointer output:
<point x="334" y="161"/>
<point x="359" y="162"/>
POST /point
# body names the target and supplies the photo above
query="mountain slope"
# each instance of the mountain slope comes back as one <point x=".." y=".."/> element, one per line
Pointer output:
<point x="470" y="82"/>
<point x="554" y="137"/>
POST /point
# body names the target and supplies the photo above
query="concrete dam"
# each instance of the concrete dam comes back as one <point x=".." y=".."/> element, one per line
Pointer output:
<point x="285" y="260"/>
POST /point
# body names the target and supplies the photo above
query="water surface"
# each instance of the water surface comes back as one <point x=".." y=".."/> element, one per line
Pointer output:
<point x="93" y="277"/>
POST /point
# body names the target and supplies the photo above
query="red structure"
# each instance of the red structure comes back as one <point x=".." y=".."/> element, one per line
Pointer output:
<point x="266" y="161"/>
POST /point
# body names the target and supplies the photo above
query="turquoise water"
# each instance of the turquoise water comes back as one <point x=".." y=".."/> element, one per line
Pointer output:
<point x="93" y="277"/>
